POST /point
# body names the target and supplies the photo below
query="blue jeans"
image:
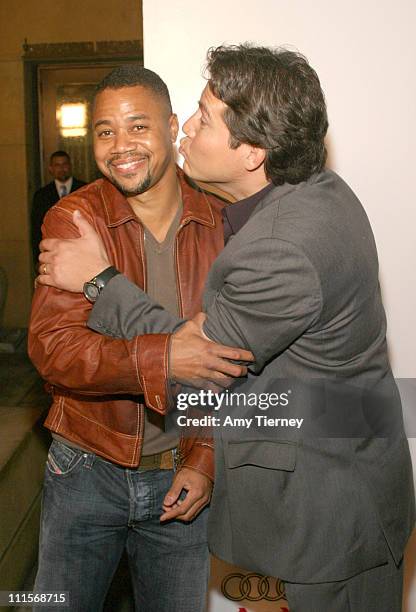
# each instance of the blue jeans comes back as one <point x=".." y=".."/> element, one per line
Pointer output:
<point x="91" y="511"/>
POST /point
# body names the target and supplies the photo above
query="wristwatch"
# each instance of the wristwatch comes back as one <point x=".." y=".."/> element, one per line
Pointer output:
<point x="93" y="288"/>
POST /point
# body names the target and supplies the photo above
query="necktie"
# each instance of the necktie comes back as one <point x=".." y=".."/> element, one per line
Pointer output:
<point x="63" y="191"/>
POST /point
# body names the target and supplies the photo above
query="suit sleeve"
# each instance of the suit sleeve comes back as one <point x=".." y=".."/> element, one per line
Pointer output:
<point x="123" y="310"/>
<point x="269" y="296"/>
<point x="69" y="355"/>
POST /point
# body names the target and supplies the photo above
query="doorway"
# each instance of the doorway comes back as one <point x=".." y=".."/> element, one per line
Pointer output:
<point x="65" y="104"/>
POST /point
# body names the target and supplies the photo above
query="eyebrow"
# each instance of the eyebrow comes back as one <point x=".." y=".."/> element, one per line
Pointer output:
<point x="138" y="117"/>
<point x="101" y="122"/>
<point x="131" y="118"/>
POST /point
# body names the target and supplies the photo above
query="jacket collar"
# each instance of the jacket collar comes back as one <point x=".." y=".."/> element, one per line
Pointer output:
<point x="276" y="193"/>
<point x="279" y="191"/>
<point x="196" y="205"/>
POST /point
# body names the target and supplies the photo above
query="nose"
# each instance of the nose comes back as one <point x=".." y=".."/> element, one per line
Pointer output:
<point x="122" y="142"/>
<point x="189" y="126"/>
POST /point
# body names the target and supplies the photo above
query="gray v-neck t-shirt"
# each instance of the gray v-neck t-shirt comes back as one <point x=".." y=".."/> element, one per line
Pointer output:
<point x="162" y="287"/>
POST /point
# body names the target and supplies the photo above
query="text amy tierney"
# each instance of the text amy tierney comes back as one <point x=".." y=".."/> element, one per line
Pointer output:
<point x="257" y="420"/>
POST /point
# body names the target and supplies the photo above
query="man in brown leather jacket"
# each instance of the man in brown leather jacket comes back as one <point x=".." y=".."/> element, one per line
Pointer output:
<point x="110" y="469"/>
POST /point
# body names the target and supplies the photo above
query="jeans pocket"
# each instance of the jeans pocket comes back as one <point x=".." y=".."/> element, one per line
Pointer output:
<point x="62" y="460"/>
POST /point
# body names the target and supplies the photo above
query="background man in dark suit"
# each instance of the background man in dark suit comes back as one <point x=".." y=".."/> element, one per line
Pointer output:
<point x="60" y="168"/>
<point x="328" y="508"/>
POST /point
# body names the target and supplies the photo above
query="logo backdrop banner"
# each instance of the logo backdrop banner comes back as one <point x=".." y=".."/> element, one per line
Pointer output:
<point x="233" y="589"/>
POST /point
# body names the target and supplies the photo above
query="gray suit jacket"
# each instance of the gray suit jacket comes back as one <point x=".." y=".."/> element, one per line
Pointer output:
<point x="298" y="286"/>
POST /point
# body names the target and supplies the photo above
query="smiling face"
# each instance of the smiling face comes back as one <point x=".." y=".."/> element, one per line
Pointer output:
<point x="206" y="146"/>
<point x="134" y="134"/>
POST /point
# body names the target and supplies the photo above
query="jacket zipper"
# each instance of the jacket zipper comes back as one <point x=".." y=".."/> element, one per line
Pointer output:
<point x="140" y="407"/>
<point x="179" y="455"/>
<point x="177" y="275"/>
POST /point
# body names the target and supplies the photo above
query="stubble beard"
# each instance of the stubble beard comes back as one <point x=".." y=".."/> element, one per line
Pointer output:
<point x="142" y="186"/>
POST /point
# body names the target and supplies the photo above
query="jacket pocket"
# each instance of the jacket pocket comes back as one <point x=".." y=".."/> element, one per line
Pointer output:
<point x="272" y="455"/>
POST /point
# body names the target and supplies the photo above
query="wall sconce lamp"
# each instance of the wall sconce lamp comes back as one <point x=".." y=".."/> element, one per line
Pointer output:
<point x="72" y="119"/>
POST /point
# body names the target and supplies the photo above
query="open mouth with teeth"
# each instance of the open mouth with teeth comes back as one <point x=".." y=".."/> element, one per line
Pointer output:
<point x="126" y="167"/>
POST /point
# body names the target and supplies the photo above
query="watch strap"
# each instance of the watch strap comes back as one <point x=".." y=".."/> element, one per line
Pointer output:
<point x="104" y="277"/>
<point x="93" y="288"/>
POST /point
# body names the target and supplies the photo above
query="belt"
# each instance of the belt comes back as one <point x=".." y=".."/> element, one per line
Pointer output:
<point x="161" y="461"/>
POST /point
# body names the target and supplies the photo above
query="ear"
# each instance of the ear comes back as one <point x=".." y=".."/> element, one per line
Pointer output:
<point x="173" y="127"/>
<point x="255" y="157"/>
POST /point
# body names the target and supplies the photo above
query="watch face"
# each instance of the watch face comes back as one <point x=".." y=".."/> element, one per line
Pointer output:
<point x="91" y="291"/>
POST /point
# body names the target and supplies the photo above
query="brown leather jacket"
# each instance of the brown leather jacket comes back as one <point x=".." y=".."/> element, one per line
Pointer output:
<point x="99" y="384"/>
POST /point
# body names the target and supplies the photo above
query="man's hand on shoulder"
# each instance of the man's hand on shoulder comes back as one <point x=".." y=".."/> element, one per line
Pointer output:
<point x="197" y="361"/>
<point x="68" y="264"/>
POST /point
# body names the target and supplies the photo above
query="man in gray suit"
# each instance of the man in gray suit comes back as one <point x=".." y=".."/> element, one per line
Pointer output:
<point x="328" y="507"/>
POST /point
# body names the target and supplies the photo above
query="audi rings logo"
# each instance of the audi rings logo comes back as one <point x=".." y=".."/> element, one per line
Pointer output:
<point x="252" y="587"/>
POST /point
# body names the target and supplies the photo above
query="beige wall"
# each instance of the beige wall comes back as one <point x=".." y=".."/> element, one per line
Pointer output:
<point x="45" y="21"/>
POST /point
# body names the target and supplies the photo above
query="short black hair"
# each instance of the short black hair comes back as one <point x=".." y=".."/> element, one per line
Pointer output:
<point x="131" y="75"/>
<point x="274" y="101"/>
<point x="59" y="154"/>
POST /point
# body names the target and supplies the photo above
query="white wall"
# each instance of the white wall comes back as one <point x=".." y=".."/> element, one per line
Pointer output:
<point x="364" y="52"/>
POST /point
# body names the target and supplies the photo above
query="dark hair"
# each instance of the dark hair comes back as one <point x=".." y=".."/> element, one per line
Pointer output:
<point x="59" y="154"/>
<point x="275" y="102"/>
<point x="131" y="75"/>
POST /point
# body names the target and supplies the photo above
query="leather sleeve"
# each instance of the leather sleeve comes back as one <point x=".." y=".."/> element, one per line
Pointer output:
<point x="196" y="448"/>
<point x="36" y="215"/>
<point x="201" y="459"/>
<point x="153" y="355"/>
<point x="68" y="354"/>
<point x="197" y="454"/>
